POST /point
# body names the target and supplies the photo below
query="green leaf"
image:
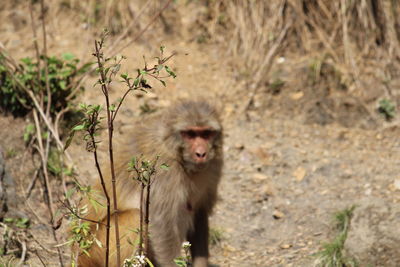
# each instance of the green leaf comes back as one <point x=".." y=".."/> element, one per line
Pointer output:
<point x="29" y="131"/>
<point x="117" y="68"/>
<point x="106" y="70"/>
<point x="98" y="243"/>
<point x="68" y="171"/>
<point x="79" y="127"/>
<point x="136" y="82"/>
<point x="132" y="162"/>
<point x="27" y="60"/>
<point x="69" y="193"/>
<point x="170" y="72"/>
<point x="180" y="262"/>
<point x="164" y="166"/>
<point x="84" y="68"/>
<point x="67" y="56"/>
<point x="8" y="220"/>
<point x="85" y="252"/>
<point x="63" y="85"/>
<point x="22" y="223"/>
<point x="97" y="82"/>
<point x="159" y="67"/>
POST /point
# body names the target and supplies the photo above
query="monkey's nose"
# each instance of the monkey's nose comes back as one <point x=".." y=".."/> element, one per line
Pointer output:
<point x="201" y="155"/>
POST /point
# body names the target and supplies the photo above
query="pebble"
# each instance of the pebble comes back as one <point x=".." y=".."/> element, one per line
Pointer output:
<point x="395" y="186"/>
<point x="229" y="248"/>
<point x="297" y="95"/>
<point x="278" y="214"/>
<point x="285" y="246"/>
<point x="239" y="146"/>
<point x="299" y="174"/>
<point x="368" y="192"/>
<point x="259" y="177"/>
<point x="268" y="190"/>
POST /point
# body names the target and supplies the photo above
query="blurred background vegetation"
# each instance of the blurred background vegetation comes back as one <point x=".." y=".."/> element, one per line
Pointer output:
<point x="328" y="60"/>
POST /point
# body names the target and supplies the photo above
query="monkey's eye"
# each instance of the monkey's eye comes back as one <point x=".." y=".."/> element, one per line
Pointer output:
<point x="190" y="134"/>
<point x="207" y="134"/>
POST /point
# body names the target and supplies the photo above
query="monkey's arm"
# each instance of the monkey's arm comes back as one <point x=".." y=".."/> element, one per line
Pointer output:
<point x="198" y="239"/>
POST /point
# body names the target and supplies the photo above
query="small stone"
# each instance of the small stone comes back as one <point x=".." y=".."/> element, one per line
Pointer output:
<point x="257" y="104"/>
<point x="368" y="192"/>
<point x="280" y="60"/>
<point x="229" y="110"/>
<point x="297" y="95"/>
<point x="151" y="95"/>
<point x="259" y="177"/>
<point x="278" y="214"/>
<point x="239" y="146"/>
<point x="229" y="248"/>
<point x="285" y="246"/>
<point x="299" y="174"/>
<point x="324" y="192"/>
<point x="262" y="155"/>
<point x="267" y="190"/>
<point x="397" y="184"/>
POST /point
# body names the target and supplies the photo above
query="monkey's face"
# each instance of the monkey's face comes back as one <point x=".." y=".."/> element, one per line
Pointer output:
<point x="198" y="145"/>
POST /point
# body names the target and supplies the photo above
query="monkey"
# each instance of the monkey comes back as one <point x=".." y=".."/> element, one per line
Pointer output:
<point x="188" y="137"/>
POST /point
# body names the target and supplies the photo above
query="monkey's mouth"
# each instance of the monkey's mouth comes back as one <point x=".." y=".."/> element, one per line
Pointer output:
<point x="193" y="167"/>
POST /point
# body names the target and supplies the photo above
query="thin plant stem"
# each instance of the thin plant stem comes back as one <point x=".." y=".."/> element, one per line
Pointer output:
<point x="147" y="218"/>
<point x="35" y="42"/>
<point x="47" y="182"/>
<point x="103" y="185"/>
<point x="110" y="149"/>
<point x="68" y="207"/>
<point x="140" y="250"/>
<point x="46" y="68"/>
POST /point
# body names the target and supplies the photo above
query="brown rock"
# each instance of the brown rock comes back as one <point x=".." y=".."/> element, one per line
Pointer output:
<point x="278" y="214"/>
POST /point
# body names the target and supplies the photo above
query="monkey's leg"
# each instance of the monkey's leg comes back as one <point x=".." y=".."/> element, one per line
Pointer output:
<point x="128" y="222"/>
<point x="198" y="239"/>
<point x="165" y="244"/>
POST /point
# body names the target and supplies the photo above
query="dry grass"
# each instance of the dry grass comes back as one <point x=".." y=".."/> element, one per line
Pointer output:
<point x="359" y="40"/>
<point x="349" y="31"/>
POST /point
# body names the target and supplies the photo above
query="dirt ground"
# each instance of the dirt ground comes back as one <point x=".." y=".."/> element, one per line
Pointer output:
<point x="287" y="169"/>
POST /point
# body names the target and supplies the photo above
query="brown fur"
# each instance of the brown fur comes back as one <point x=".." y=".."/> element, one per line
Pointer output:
<point x="182" y="197"/>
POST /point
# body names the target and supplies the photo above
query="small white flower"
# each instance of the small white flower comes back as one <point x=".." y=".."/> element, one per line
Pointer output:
<point x="127" y="262"/>
<point x="140" y="258"/>
<point x="186" y="244"/>
<point x="280" y="60"/>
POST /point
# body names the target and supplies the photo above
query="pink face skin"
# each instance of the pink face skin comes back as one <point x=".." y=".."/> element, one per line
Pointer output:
<point x="199" y="140"/>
